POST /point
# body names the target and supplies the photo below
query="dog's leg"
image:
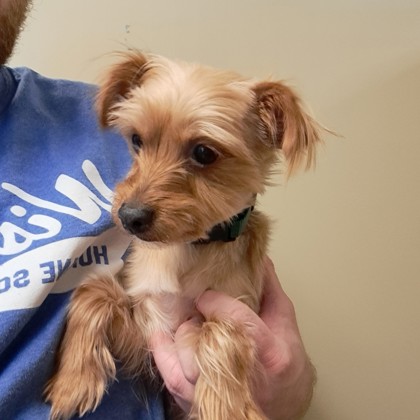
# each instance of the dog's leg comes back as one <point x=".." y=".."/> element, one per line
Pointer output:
<point x="226" y="359"/>
<point x="98" y="310"/>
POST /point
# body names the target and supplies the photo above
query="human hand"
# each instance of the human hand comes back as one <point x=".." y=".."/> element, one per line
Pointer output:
<point x="285" y="382"/>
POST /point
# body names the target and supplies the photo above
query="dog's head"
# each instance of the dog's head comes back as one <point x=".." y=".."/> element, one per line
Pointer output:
<point x="203" y="143"/>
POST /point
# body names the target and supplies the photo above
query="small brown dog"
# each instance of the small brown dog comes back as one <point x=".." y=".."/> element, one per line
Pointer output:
<point x="203" y="142"/>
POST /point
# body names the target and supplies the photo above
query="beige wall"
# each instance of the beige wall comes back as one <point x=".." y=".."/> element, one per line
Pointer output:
<point x="347" y="239"/>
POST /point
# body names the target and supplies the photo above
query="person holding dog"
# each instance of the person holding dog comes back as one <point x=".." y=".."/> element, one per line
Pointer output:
<point x="58" y="170"/>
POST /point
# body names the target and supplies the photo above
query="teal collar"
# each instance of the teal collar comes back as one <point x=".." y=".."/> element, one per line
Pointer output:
<point x="228" y="231"/>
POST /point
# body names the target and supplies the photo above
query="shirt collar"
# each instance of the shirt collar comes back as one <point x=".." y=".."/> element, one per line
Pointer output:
<point x="7" y="87"/>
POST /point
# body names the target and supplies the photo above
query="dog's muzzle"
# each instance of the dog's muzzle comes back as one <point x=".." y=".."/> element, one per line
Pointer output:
<point x="136" y="219"/>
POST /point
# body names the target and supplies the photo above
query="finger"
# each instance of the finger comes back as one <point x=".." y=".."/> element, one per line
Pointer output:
<point x="275" y="304"/>
<point x="167" y="361"/>
<point x="186" y="338"/>
<point x="216" y="305"/>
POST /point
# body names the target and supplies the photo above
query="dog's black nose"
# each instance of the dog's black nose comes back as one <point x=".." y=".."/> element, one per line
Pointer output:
<point x="136" y="219"/>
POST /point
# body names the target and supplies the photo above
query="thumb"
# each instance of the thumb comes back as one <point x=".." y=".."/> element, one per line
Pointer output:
<point x="275" y="304"/>
<point x="167" y="361"/>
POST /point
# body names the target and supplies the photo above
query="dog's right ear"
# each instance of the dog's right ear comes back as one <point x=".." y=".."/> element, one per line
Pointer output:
<point x="118" y="82"/>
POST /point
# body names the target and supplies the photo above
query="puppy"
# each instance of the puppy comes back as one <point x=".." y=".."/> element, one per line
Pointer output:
<point x="204" y="143"/>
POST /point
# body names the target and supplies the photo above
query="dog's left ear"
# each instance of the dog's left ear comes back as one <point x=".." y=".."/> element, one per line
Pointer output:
<point x="284" y="124"/>
<point x="118" y="82"/>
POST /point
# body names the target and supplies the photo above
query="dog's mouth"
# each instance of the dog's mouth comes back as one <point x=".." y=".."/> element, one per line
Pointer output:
<point x="141" y="222"/>
<point x="151" y="240"/>
<point x="163" y="238"/>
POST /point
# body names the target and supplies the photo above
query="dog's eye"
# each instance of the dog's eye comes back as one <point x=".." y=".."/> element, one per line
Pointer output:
<point x="204" y="155"/>
<point x="137" y="142"/>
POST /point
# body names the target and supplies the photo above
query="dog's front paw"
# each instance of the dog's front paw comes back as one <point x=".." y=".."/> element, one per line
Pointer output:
<point x="70" y="395"/>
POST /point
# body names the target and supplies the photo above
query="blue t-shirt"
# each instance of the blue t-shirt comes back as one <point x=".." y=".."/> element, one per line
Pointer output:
<point x="57" y="173"/>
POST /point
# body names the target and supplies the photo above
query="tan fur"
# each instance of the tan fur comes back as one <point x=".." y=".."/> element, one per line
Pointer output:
<point x="175" y="106"/>
<point x="12" y="17"/>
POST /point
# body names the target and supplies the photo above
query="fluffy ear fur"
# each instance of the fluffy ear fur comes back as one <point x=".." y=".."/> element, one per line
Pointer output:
<point x="118" y="82"/>
<point x="283" y="123"/>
